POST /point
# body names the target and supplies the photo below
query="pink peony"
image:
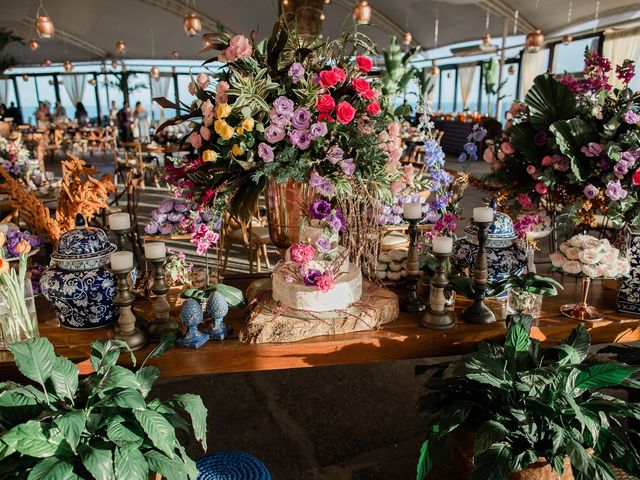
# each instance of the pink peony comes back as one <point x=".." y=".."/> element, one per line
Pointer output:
<point x="325" y="282"/>
<point x="221" y="92"/>
<point x="202" y="80"/>
<point x="302" y="253"/>
<point x="507" y="148"/>
<point x="195" y="140"/>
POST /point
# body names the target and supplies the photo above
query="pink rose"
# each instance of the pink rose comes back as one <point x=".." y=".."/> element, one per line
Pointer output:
<point x="345" y="112"/>
<point x="202" y="80"/>
<point x="360" y="85"/>
<point x="369" y="94"/>
<point x="525" y="201"/>
<point x="205" y="133"/>
<point x="195" y="140"/>
<point x="328" y="78"/>
<point x="374" y="108"/>
<point x="221" y="92"/>
<point x="547" y="161"/>
<point x="488" y="155"/>
<point x="325" y="282"/>
<point x="531" y="170"/>
<point x="394" y="129"/>
<point x="207" y="109"/>
<point x="339" y="73"/>
<point x="364" y="64"/>
<point x="541" y="188"/>
<point x="302" y="253"/>
<point x="507" y="148"/>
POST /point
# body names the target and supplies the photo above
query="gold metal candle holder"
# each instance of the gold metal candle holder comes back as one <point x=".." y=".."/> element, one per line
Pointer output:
<point x="436" y="316"/>
<point x="126" y="328"/>
<point x="161" y="322"/>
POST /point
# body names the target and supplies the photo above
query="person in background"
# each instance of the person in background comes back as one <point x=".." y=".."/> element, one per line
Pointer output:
<point x="43" y="117"/>
<point x="60" y="113"/>
<point x="113" y="113"/>
<point x="3" y="110"/>
<point x="82" y="117"/>
<point x="124" y="123"/>
<point x="141" y="118"/>
<point x="15" y="113"/>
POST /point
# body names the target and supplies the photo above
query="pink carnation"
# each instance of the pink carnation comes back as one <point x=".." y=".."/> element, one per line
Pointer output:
<point x="221" y="92"/>
<point x="302" y="253"/>
<point x="239" y="47"/>
<point x="195" y="140"/>
<point x="202" y="80"/>
<point x="325" y="282"/>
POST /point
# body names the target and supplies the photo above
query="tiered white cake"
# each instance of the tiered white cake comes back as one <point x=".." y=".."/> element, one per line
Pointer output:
<point x="289" y="286"/>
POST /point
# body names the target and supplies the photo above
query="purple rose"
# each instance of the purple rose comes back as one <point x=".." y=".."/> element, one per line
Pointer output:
<point x="592" y="149"/>
<point x="283" y="106"/>
<point x="629" y="158"/>
<point x="34" y="241"/>
<point x="315" y="79"/>
<point x="296" y="72"/>
<point x="265" y="152"/>
<point x="279" y="119"/>
<point x="166" y="228"/>
<point x="323" y="243"/>
<point x="318" y="130"/>
<point x="274" y="134"/>
<point x="348" y="166"/>
<point x="540" y="138"/>
<point x="591" y="192"/>
<point x="335" y="154"/>
<point x="175" y="217"/>
<point x="620" y="169"/>
<point x="326" y="188"/>
<point x="301" y="118"/>
<point x="319" y="209"/>
<point x="311" y="277"/>
<point x="151" y="228"/>
<point x="615" y="191"/>
<point x="630" y="117"/>
<point x="166" y="206"/>
<point x="6" y="165"/>
<point x="15" y="169"/>
<point x="158" y="216"/>
<point x="339" y="215"/>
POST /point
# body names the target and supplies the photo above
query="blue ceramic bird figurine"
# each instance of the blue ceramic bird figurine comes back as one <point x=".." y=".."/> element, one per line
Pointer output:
<point x="191" y="316"/>
<point x="217" y="307"/>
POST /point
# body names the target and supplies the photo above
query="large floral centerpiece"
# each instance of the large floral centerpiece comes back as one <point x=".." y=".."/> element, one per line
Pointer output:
<point x="575" y="143"/>
<point x="14" y="158"/>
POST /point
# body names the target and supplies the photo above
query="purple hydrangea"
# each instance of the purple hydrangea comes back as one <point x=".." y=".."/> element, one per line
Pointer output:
<point x="296" y="72"/>
<point x="274" y="134"/>
<point x="311" y="277"/>
<point x="319" y="209"/>
<point x="166" y="228"/>
<point x="318" y="130"/>
<point x="152" y="228"/>
<point x="158" y="216"/>
<point x="283" y="106"/>
<point x="335" y="154"/>
<point x="591" y="192"/>
<point x="265" y="152"/>
<point x="615" y="191"/>
<point x="631" y="117"/>
<point x="301" y="119"/>
<point x="181" y="206"/>
<point x="175" y="217"/>
<point x="166" y="205"/>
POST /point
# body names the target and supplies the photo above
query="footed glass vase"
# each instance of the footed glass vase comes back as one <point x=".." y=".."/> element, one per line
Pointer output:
<point x="18" y="319"/>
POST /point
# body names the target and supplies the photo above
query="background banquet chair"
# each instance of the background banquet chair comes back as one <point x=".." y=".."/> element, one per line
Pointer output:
<point x="254" y="239"/>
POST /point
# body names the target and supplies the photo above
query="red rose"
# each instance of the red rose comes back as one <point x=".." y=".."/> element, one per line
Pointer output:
<point x="360" y="85"/>
<point x="328" y="78"/>
<point x="374" y="108"/>
<point x="325" y="117"/>
<point x="364" y="64"/>
<point x="339" y="73"/>
<point x="326" y="103"/>
<point x="345" y="112"/>
<point x="635" y="178"/>
<point x="369" y="94"/>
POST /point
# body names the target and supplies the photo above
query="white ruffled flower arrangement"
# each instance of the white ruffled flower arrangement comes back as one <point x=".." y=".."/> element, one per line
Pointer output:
<point x="391" y="265"/>
<point x="586" y="255"/>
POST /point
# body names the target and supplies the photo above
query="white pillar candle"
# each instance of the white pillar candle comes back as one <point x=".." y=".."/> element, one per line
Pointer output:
<point x="121" y="261"/>
<point x="412" y="211"/>
<point x="483" y="214"/>
<point x="155" y="250"/>
<point x="442" y="244"/>
<point x="119" y="221"/>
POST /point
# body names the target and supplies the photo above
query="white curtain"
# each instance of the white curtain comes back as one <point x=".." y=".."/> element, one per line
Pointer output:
<point x="74" y="85"/>
<point x="532" y="66"/>
<point x="4" y="91"/>
<point x="160" y="86"/>
<point x="618" y="46"/>
<point x="466" y="74"/>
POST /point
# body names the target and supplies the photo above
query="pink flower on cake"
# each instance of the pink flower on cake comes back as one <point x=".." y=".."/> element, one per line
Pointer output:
<point x="302" y="253"/>
<point x="325" y="282"/>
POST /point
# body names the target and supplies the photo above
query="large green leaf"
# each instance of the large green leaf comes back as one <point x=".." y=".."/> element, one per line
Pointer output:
<point x="571" y="136"/>
<point x="124" y="433"/>
<point x="170" y="468"/>
<point x="580" y="459"/>
<point x="16" y="408"/>
<point x="489" y="433"/>
<point x="580" y="340"/>
<point x="105" y="354"/>
<point x="603" y="375"/>
<point x="120" y="377"/>
<point x="31" y="439"/>
<point x="64" y="376"/>
<point x="158" y="429"/>
<point x="522" y="137"/>
<point x="166" y="342"/>
<point x="52" y="469"/>
<point x="130" y="464"/>
<point x="567" y="355"/>
<point x="127" y="399"/>
<point x="424" y="461"/>
<point x="234" y="296"/>
<point x="548" y="101"/>
<point x="192" y="404"/>
<point x="516" y="345"/>
<point x="34" y="358"/>
<point x="493" y="464"/>
<point x="146" y="377"/>
<point x="98" y="459"/>
<point x="71" y="425"/>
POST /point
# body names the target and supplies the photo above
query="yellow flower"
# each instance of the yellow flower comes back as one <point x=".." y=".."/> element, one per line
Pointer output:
<point x="237" y="150"/>
<point x="219" y="126"/>
<point x="239" y="130"/>
<point x="209" y="156"/>
<point x="227" y="132"/>
<point x="247" y="124"/>
<point x="223" y="110"/>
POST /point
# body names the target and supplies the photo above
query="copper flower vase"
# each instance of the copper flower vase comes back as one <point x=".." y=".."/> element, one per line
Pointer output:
<point x="287" y="205"/>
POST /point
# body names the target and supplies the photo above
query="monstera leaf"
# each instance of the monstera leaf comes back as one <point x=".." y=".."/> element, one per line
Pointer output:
<point x="549" y="101"/>
<point x="571" y="136"/>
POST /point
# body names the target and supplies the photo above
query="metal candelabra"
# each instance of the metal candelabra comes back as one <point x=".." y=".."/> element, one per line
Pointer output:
<point x="161" y="322"/>
<point x="127" y="330"/>
<point x="478" y="312"/>
<point x="412" y="303"/>
<point x="436" y="316"/>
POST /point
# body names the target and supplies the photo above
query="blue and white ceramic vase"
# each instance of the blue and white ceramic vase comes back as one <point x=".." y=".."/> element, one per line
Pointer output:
<point x="505" y="256"/>
<point x="76" y="283"/>
<point x="629" y="291"/>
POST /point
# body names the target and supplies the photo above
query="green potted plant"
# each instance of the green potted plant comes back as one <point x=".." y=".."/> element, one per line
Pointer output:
<point x="99" y="427"/>
<point x="526" y="292"/>
<point x="531" y="411"/>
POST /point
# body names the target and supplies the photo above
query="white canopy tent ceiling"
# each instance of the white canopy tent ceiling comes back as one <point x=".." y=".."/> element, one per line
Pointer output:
<point x="88" y="29"/>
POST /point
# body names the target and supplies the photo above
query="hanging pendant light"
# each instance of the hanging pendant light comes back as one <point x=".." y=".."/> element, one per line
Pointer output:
<point x="67" y="65"/>
<point x="567" y="39"/>
<point x="154" y="72"/>
<point x="534" y="41"/>
<point x="192" y="24"/>
<point x="25" y="77"/>
<point x="362" y="13"/>
<point x="114" y="64"/>
<point x="175" y="54"/>
<point x="34" y="44"/>
<point x="44" y="27"/>
<point x="120" y="47"/>
<point x="46" y="62"/>
<point x="407" y="38"/>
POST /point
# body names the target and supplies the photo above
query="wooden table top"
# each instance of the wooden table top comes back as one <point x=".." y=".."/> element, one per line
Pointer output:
<point x="403" y="339"/>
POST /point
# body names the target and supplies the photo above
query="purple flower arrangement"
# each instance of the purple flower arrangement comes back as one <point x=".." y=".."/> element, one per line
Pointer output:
<point x="14" y="237"/>
<point x="175" y="217"/>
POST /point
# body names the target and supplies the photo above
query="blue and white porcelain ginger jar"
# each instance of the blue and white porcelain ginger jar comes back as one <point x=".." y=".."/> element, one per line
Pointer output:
<point x="505" y="256"/>
<point x="76" y="283"/>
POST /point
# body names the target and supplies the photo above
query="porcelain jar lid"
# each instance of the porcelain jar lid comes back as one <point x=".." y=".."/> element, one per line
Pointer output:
<point x="501" y="229"/>
<point x="83" y="242"/>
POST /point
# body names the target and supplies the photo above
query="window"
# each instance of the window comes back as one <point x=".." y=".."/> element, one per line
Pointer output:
<point x="28" y="98"/>
<point x="163" y="87"/>
<point x="570" y="58"/>
<point x="472" y="100"/>
<point x="446" y="102"/>
<point x="71" y="83"/>
<point x="510" y="88"/>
